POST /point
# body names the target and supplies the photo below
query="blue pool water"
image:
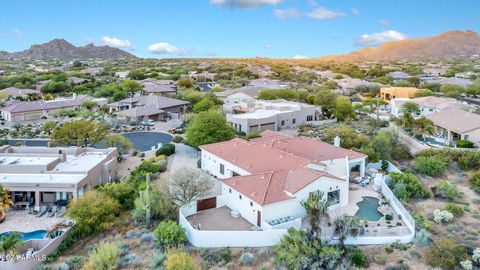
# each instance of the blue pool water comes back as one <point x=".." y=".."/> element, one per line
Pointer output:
<point x="367" y="209"/>
<point x="143" y="141"/>
<point x="40" y="234"/>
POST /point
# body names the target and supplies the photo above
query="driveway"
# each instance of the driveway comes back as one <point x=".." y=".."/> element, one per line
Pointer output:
<point x="185" y="156"/>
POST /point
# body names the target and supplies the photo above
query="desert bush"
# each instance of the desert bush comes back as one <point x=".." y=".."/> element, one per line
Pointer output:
<point x="431" y="166"/>
<point x="121" y="192"/>
<point x="469" y="160"/>
<point x="358" y="258"/>
<point x="177" y="139"/>
<point x="442" y="217"/>
<point x="179" y="260"/>
<point x="406" y="186"/>
<point x="475" y="181"/>
<point x="446" y="253"/>
<point x="75" y="262"/>
<point x="167" y="150"/>
<point x="170" y="234"/>
<point x="447" y="190"/>
<point x="158" y="259"/>
<point x="465" y="144"/>
<point x="455" y="209"/>
<point x="103" y="257"/>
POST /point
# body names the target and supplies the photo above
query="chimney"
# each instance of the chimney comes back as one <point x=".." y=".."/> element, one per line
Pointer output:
<point x="336" y="141"/>
<point x="74" y="96"/>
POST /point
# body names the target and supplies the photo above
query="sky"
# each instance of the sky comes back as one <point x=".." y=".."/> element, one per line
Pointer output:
<point x="231" y="28"/>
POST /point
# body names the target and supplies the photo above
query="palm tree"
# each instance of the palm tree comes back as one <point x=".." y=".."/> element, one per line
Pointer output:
<point x="424" y="126"/>
<point x="5" y="202"/>
<point x="9" y="245"/>
<point x="316" y="207"/>
<point x="408" y="109"/>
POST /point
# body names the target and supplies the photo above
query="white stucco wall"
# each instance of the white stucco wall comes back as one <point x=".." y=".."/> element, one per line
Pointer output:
<point x="233" y="201"/>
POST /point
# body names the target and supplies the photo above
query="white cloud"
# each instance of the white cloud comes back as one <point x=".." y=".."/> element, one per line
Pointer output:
<point x="17" y="32"/>
<point x="166" y="48"/>
<point x="322" y="13"/>
<point x="268" y="46"/>
<point x="244" y="3"/>
<point x="298" y="56"/>
<point x="288" y="13"/>
<point x="384" y="22"/>
<point x="355" y="11"/>
<point x="375" y="39"/>
<point x="116" y="42"/>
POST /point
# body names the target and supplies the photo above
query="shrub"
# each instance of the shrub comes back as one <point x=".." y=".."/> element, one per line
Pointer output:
<point x="121" y="192"/>
<point x="93" y="212"/>
<point x="358" y="258"/>
<point x="406" y="186"/>
<point x="170" y="234"/>
<point x="431" y="166"/>
<point x="388" y="216"/>
<point x="177" y="139"/>
<point x="167" y="150"/>
<point x="465" y="144"/>
<point x="226" y="255"/>
<point x="442" y="217"/>
<point x="388" y="249"/>
<point x="398" y="245"/>
<point x="103" y="257"/>
<point x="179" y="260"/>
<point x="469" y="160"/>
<point x="446" y="253"/>
<point x="475" y="181"/>
<point x="75" y="262"/>
<point x="446" y="190"/>
<point x="455" y="209"/>
<point x="158" y="258"/>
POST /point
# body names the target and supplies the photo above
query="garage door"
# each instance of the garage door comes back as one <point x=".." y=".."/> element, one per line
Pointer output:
<point x="206" y="204"/>
<point x="268" y="126"/>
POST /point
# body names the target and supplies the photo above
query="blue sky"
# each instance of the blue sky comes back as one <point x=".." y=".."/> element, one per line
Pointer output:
<point x="230" y="28"/>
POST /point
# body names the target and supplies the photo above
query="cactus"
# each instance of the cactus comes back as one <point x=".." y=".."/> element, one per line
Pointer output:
<point x="145" y="201"/>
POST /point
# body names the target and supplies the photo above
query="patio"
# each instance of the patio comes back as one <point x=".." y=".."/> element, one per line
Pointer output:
<point x="218" y="219"/>
<point x="21" y="221"/>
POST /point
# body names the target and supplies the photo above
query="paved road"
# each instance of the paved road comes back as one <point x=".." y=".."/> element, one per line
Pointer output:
<point x="185" y="156"/>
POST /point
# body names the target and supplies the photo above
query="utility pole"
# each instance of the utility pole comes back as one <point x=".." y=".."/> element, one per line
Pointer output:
<point x="145" y="202"/>
<point x="377" y="113"/>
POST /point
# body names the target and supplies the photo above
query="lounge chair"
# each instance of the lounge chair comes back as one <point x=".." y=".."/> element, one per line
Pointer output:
<point x="43" y="210"/>
<point x="61" y="212"/>
<point x="53" y="211"/>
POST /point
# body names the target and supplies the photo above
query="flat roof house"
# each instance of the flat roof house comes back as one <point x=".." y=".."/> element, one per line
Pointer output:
<point x="42" y="175"/>
<point x="388" y="93"/>
<point x="151" y="106"/>
<point x="267" y="178"/>
<point x="272" y="115"/>
<point x="454" y="124"/>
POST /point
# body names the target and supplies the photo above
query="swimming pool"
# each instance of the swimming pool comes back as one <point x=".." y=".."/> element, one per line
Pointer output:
<point x="368" y="209"/>
<point x="143" y="141"/>
<point x="40" y="234"/>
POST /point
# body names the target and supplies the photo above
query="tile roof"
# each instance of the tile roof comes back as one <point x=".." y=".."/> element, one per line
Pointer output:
<point x="26" y="106"/>
<point x="458" y="121"/>
<point x="15" y="92"/>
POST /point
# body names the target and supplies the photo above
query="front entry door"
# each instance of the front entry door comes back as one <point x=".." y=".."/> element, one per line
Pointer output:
<point x="259" y="218"/>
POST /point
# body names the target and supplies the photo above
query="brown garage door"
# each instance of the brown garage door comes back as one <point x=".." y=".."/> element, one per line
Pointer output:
<point x="206" y="204"/>
<point x="268" y="126"/>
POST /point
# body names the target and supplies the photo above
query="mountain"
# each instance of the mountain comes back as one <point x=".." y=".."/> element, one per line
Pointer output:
<point x="458" y="45"/>
<point x="62" y="49"/>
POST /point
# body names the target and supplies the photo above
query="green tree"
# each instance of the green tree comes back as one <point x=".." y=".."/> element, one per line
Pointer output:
<point x="451" y="90"/>
<point x="345" y="226"/>
<point x="10" y="245"/>
<point x="343" y="109"/>
<point x="424" y="126"/>
<point x="315" y="207"/>
<point x="185" y="83"/>
<point x="79" y="133"/>
<point x="5" y="201"/>
<point x="170" y="234"/>
<point x="48" y="127"/>
<point x="294" y="250"/>
<point x="203" y="105"/>
<point x="325" y="98"/>
<point x="122" y="192"/>
<point x="424" y="93"/>
<point x="93" y="212"/>
<point x="408" y="109"/>
<point x="138" y="74"/>
<point x="415" y="81"/>
<point x="122" y="144"/>
<point x="89" y="104"/>
<point x="131" y="87"/>
<point x="208" y="127"/>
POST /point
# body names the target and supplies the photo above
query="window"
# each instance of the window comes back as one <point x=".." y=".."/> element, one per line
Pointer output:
<point x="309" y="117"/>
<point x="240" y="196"/>
<point x="251" y="204"/>
<point x="222" y="168"/>
<point x="229" y="190"/>
<point x="294" y="121"/>
<point x="283" y="123"/>
<point x="333" y="197"/>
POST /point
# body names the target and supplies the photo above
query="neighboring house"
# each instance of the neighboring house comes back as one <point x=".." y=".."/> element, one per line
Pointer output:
<point x="253" y="88"/>
<point x="34" y="110"/>
<point x="428" y="105"/>
<point x="452" y="80"/>
<point x="260" y="72"/>
<point x="18" y="92"/>
<point x="388" y="93"/>
<point x="151" y="86"/>
<point x="42" y="175"/>
<point x="272" y="115"/>
<point x="346" y="86"/>
<point x="237" y="98"/>
<point x="464" y="75"/>
<point x="149" y="107"/>
<point x="121" y="74"/>
<point x="435" y="71"/>
<point x="92" y="70"/>
<point x="267" y="178"/>
<point x="77" y="81"/>
<point x="203" y="76"/>
<point x="399" y="76"/>
<point x="454" y="124"/>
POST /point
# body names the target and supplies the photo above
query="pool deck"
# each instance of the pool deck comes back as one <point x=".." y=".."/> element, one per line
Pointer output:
<point x="354" y="196"/>
<point x="21" y="221"/>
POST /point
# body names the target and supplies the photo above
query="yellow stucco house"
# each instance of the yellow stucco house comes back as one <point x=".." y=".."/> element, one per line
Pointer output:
<point x="388" y="93"/>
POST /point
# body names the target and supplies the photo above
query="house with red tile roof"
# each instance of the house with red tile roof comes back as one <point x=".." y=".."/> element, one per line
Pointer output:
<point x="267" y="178"/>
